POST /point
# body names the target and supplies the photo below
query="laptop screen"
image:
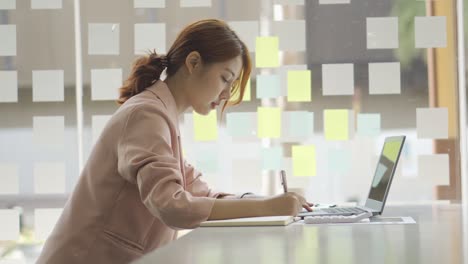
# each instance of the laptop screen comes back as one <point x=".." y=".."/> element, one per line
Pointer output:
<point x="384" y="171"/>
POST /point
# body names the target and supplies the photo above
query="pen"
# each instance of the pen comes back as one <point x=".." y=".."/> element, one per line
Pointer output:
<point x="284" y="181"/>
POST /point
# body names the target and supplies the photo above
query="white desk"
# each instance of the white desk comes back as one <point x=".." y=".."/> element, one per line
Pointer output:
<point x="436" y="238"/>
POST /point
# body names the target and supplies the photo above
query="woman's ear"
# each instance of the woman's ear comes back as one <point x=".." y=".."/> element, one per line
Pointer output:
<point x="192" y="61"/>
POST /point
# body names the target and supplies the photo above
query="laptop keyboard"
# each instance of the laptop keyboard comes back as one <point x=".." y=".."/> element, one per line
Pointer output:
<point x="343" y="210"/>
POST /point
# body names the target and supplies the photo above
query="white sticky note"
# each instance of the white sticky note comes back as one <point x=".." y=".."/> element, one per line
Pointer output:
<point x="49" y="177"/>
<point x="368" y="125"/>
<point x="384" y="78"/>
<point x="195" y="3"/>
<point x="150" y="36"/>
<point x="7" y="4"/>
<point x="291" y="34"/>
<point x="382" y="33"/>
<point x="430" y="32"/>
<point x="247" y="175"/>
<point x="242" y="124"/>
<point x="9" y="178"/>
<point x="339" y="160"/>
<point x="44" y="221"/>
<point x="272" y="158"/>
<point x="297" y="125"/>
<point x="149" y="3"/>
<point x="434" y="168"/>
<point x="105" y="84"/>
<point x="331" y="2"/>
<point x="432" y="123"/>
<point x="288" y="2"/>
<point x="48" y="86"/>
<point x="247" y="31"/>
<point x="8" y="43"/>
<point x="98" y="123"/>
<point x="338" y="79"/>
<point x="103" y="38"/>
<point x="9" y="86"/>
<point x="10" y="224"/>
<point x="268" y="86"/>
<point x="48" y="130"/>
<point x="46" y="4"/>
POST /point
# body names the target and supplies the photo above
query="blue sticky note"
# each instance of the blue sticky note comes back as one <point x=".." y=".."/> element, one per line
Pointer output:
<point x="208" y="162"/>
<point x="339" y="160"/>
<point x="300" y="124"/>
<point x="272" y="158"/>
<point x="368" y="125"/>
<point x="268" y="86"/>
<point x="241" y="124"/>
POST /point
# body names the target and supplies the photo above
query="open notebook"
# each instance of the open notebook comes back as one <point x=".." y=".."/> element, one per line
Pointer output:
<point x="252" y="221"/>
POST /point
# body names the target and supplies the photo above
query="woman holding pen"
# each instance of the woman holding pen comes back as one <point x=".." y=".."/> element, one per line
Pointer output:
<point x="136" y="189"/>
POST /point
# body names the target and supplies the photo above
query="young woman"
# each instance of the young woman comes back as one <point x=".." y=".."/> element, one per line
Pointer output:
<point x="136" y="189"/>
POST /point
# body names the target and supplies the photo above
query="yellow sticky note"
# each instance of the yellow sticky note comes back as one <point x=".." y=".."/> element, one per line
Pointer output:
<point x="299" y="86"/>
<point x="205" y="127"/>
<point x="247" y="92"/>
<point x="391" y="150"/>
<point x="336" y="124"/>
<point x="266" y="52"/>
<point x="304" y="160"/>
<point x="269" y="122"/>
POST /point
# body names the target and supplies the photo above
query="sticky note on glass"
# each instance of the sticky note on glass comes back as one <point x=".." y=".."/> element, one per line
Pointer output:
<point x="368" y="125"/>
<point x="98" y="123"/>
<point x="339" y="160"/>
<point x="49" y="177"/>
<point x="384" y="78"/>
<point x="10" y="227"/>
<point x="205" y="126"/>
<point x="7" y="5"/>
<point x="283" y="73"/>
<point x="48" y="130"/>
<point x="269" y="122"/>
<point x="382" y="32"/>
<point x="268" y="86"/>
<point x="150" y="36"/>
<point x="435" y="168"/>
<point x="149" y="3"/>
<point x="272" y="158"/>
<point x="299" y="86"/>
<point x="9" y="178"/>
<point x="48" y="86"/>
<point x="297" y="125"/>
<point x="8" y="43"/>
<point x="336" y="124"/>
<point x="332" y="2"/>
<point x="304" y="160"/>
<point x="241" y="124"/>
<point x="247" y="173"/>
<point x="291" y="34"/>
<point x="267" y="52"/>
<point x="9" y="84"/>
<point x="430" y="32"/>
<point x="247" y="32"/>
<point x="338" y="79"/>
<point x="44" y="221"/>
<point x="103" y="39"/>
<point x="432" y="123"/>
<point x="46" y="4"/>
<point x="195" y="3"/>
<point x="105" y="84"/>
<point x="209" y="161"/>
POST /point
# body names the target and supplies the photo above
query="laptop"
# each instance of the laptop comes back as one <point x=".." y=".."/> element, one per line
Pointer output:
<point x="380" y="185"/>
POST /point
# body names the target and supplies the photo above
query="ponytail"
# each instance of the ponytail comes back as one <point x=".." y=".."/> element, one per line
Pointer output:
<point x="146" y="71"/>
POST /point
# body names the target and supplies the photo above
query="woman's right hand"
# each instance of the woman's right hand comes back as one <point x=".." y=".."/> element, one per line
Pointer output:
<point x="286" y="204"/>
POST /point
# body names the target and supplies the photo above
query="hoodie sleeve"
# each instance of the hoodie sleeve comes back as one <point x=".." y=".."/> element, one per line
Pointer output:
<point x="146" y="158"/>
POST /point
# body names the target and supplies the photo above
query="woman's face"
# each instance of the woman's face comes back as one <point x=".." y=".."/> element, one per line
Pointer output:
<point x="211" y="84"/>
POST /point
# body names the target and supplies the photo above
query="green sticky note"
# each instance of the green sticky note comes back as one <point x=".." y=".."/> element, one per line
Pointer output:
<point x="205" y="127"/>
<point x="336" y="124"/>
<point x="304" y="161"/>
<point x="299" y="86"/>
<point x="266" y="52"/>
<point x="269" y="122"/>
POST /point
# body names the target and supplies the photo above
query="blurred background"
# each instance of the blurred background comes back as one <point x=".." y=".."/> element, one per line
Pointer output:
<point x="331" y="80"/>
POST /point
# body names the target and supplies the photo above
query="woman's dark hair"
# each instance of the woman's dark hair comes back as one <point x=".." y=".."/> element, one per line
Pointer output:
<point x="215" y="42"/>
